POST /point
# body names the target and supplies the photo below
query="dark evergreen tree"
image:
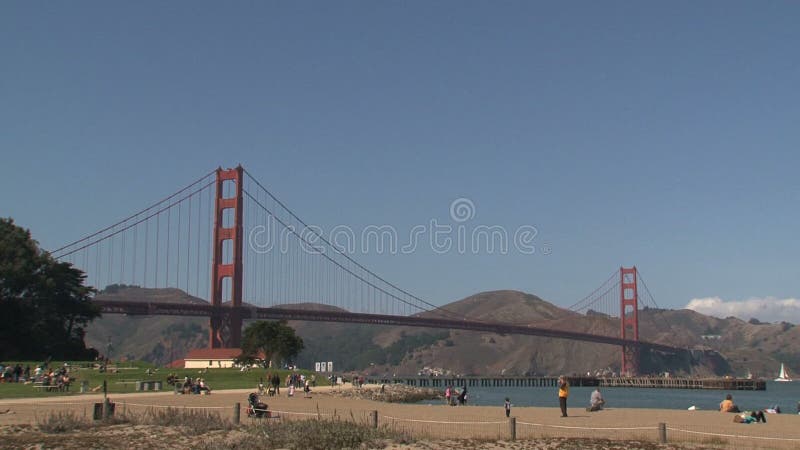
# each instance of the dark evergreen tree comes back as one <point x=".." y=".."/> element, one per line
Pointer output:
<point x="45" y="303"/>
<point x="274" y="339"/>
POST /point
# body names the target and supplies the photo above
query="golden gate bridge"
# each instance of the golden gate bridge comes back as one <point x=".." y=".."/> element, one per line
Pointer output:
<point x="287" y="265"/>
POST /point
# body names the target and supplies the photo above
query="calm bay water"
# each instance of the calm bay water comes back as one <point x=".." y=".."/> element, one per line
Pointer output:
<point x="786" y="395"/>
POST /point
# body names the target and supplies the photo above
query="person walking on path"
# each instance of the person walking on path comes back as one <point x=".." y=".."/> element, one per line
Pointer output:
<point x="563" y="393"/>
<point x="508" y="407"/>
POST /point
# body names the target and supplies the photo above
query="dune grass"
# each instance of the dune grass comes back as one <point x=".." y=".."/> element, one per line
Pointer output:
<point x="212" y="432"/>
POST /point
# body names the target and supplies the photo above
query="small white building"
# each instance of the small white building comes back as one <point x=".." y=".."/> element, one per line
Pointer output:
<point x="212" y="358"/>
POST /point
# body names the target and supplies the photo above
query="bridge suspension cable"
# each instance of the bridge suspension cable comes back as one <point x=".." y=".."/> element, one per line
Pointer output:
<point x="653" y="301"/>
<point x="384" y="289"/>
<point x="114" y="231"/>
<point x="597" y="294"/>
<point x="158" y="203"/>
<point x="145" y="251"/>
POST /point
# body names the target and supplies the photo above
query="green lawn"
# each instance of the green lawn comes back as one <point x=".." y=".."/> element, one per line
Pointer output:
<point x="124" y="380"/>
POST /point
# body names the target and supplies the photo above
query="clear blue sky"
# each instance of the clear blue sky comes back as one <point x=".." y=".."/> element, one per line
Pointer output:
<point x="660" y="134"/>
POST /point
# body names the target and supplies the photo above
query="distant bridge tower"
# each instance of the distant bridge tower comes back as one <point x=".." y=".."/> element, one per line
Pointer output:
<point x="226" y="326"/>
<point x="629" y="320"/>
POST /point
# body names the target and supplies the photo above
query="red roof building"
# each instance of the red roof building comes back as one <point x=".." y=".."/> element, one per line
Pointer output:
<point x="201" y="358"/>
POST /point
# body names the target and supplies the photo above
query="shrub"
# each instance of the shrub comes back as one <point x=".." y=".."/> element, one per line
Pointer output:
<point x="61" y="422"/>
<point x="313" y="434"/>
<point x="190" y="420"/>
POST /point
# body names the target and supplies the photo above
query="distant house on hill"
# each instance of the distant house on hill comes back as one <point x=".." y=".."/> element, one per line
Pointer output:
<point x="202" y="358"/>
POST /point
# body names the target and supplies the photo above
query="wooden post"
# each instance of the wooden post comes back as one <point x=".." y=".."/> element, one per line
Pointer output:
<point x="662" y="433"/>
<point x="97" y="411"/>
<point x="374" y="417"/>
<point x="107" y="409"/>
<point x="512" y="428"/>
<point x="236" y="413"/>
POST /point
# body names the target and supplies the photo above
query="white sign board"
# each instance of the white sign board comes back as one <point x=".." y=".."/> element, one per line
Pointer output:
<point x="330" y="366"/>
<point x="316" y="367"/>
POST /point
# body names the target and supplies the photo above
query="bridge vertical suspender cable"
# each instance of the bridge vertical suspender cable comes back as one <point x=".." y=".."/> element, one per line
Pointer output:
<point x="116" y="248"/>
<point x="428" y="306"/>
<point x="593" y="296"/>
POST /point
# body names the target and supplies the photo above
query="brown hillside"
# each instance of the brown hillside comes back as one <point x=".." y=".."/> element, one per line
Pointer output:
<point x="466" y="352"/>
<point x="505" y="306"/>
<point x="755" y="347"/>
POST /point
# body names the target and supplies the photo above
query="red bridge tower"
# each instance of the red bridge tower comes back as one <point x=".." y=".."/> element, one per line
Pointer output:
<point x="629" y="320"/>
<point x="226" y="326"/>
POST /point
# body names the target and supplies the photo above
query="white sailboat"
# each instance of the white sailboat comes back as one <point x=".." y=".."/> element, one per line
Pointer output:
<point x="783" y="376"/>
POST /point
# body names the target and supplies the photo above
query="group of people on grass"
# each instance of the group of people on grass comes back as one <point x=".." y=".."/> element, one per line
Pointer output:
<point x="189" y="386"/>
<point x="42" y="375"/>
<point x="15" y="373"/>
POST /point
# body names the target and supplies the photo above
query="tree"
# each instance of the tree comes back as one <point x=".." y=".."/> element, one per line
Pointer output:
<point x="45" y="304"/>
<point x="274" y="339"/>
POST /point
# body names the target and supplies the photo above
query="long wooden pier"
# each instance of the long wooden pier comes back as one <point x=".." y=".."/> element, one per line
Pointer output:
<point x="728" y="384"/>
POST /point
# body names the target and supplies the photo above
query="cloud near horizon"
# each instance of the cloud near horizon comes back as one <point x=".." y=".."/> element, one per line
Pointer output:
<point x="766" y="309"/>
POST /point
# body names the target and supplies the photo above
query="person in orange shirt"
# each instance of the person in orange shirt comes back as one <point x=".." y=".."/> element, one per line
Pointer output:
<point x="727" y="405"/>
<point x="563" y="393"/>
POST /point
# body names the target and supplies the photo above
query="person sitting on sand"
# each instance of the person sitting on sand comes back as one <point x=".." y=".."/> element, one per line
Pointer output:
<point x="596" y="401"/>
<point x="727" y="405"/>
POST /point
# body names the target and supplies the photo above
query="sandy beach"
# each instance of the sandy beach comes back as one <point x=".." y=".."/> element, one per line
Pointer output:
<point x="442" y="422"/>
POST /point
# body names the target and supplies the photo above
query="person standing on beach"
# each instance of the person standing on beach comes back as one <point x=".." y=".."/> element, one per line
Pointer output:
<point x="563" y="393"/>
<point x="448" y="393"/>
<point x="508" y="407"/>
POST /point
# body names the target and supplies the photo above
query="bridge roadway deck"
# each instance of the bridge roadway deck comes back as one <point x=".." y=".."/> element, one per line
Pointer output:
<point x="204" y="309"/>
